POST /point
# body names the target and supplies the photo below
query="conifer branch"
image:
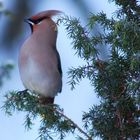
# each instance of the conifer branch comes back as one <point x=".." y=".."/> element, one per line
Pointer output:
<point x="74" y="124"/>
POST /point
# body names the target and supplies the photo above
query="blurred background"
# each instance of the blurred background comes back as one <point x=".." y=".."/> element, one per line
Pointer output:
<point x="13" y="32"/>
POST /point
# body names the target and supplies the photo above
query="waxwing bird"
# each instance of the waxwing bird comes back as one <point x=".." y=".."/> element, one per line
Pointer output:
<point x="39" y="60"/>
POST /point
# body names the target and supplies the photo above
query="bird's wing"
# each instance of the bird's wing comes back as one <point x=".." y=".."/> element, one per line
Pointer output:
<point x="59" y="66"/>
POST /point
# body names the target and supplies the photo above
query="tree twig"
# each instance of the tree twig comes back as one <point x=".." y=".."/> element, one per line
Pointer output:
<point x="74" y="124"/>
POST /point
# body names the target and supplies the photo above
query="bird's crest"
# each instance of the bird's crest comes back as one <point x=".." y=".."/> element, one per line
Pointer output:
<point x="46" y="14"/>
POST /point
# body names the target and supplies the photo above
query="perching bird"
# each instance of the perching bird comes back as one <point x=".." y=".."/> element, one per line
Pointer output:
<point x="39" y="60"/>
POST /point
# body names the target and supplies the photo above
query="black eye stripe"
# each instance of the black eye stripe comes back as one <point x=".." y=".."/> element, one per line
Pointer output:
<point x="36" y="21"/>
<point x="39" y="20"/>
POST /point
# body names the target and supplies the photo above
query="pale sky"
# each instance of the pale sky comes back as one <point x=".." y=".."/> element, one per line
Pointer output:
<point x="74" y="102"/>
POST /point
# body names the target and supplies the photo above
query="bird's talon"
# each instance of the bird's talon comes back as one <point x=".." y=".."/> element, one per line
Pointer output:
<point x="22" y="91"/>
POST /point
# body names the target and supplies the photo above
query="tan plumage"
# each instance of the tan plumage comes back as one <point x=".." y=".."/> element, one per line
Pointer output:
<point x="48" y="13"/>
<point x="39" y="61"/>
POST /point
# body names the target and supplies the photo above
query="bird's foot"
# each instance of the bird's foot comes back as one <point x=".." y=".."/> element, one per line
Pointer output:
<point x="22" y="91"/>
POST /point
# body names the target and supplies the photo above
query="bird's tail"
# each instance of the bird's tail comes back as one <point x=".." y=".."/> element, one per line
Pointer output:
<point x="46" y="100"/>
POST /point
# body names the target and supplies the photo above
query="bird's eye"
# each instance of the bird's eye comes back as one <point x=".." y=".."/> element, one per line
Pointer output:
<point x="38" y="21"/>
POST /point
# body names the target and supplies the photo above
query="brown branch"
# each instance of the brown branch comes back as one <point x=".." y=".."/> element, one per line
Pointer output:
<point x="74" y="124"/>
